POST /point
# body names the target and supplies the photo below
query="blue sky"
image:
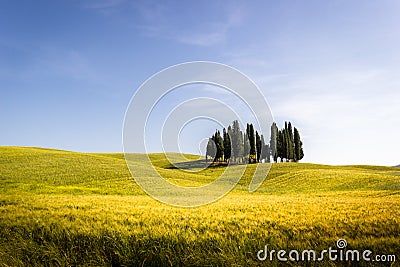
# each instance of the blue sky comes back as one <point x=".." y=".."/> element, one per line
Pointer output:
<point x="69" y="68"/>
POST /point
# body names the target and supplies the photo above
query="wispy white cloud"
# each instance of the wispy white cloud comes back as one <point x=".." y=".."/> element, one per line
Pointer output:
<point x="156" y="23"/>
<point x="102" y="4"/>
<point x="155" y="20"/>
<point x="152" y="12"/>
<point x="215" y="32"/>
<point x="202" y="39"/>
<point x="69" y="64"/>
<point x="215" y="89"/>
<point x="107" y="8"/>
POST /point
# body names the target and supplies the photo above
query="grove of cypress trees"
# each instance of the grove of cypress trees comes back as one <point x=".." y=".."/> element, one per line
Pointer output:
<point x="250" y="146"/>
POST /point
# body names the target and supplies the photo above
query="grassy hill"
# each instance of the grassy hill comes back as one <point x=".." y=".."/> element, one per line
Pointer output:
<point x="67" y="208"/>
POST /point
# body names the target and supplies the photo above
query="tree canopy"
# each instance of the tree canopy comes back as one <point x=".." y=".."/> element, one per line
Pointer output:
<point x="249" y="147"/>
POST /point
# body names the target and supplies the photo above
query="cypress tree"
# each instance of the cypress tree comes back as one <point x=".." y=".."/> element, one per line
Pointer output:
<point x="246" y="146"/>
<point x="273" y="143"/>
<point x="220" y="146"/>
<point x="227" y="145"/>
<point x="265" y="153"/>
<point x="211" y="149"/>
<point x="252" y="142"/>
<point x="240" y="144"/>
<point x="258" y="146"/>
<point x="231" y="142"/>
<point x="281" y="144"/>
<point x="290" y="154"/>
<point x="234" y="139"/>
<point x="213" y="137"/>
<point x="262" y="156"/>
<point x="298" y="145"/>
<point x="286" y="142"/>
<point x="237" y="141"/>
<point x="301" y="151"/>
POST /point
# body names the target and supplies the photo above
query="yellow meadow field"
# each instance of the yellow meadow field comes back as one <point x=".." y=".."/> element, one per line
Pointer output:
<point x="67" y="209"/>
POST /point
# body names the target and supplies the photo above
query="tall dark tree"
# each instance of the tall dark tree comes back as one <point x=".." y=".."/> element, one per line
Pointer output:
<point x="230" y="134"/>
<point x="258" y="146"/>
<point x="219" y="143"/>
<point x="265" y="153"/>
<point x="246" y="147"/>
<point x="285" y="142"/>
<point x="241" y="147"/>
<point x="281" y="144"/>
<point x="213" y="138"/>
<point x="211" y="149"/>
<point x="298" y="146"/>
<point x="262" y="156"/>
<point x="236" y="141"/>
<point x="273" y="143"/>
<point x="290" y="142"/>
<point x="246" y="144"/>
<point x="227" y="145"/>
<point x="252" y="142"/>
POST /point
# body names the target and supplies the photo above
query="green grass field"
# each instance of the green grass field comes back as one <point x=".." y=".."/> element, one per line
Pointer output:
<point x="66" y="208"/>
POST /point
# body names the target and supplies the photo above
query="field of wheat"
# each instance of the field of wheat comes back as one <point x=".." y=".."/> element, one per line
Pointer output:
<point x="66" y="209"/>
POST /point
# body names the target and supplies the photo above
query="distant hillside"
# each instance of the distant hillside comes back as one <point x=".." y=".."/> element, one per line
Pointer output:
<point x="53" y="171"/>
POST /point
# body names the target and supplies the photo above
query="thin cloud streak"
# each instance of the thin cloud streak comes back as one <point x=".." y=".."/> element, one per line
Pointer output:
<point x="102" y="4"/>
<point x="157" y="25"/>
